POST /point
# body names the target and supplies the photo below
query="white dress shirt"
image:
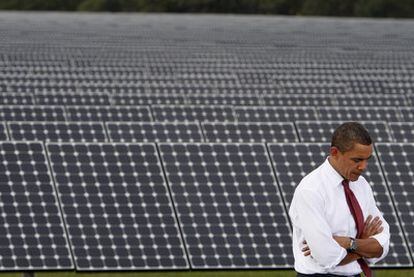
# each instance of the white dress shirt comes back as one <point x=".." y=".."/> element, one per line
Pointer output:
<point x="319" y="210"/>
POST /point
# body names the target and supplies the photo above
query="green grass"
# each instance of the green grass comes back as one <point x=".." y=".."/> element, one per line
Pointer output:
<point x="236" y="273"/>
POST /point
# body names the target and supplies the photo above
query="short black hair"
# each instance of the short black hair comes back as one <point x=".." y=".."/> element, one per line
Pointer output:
<point x="349" y="133"/>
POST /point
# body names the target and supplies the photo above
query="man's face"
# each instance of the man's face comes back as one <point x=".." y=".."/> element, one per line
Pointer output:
<point x="352" y="163"/>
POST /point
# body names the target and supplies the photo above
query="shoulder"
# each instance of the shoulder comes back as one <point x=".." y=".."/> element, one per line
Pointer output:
<point x="312" y="181"/>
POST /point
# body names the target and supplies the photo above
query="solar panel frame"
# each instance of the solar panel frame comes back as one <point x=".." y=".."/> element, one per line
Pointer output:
<point x="31" y="218"/>
<point x="52" y="131"/>
<point x="196" y="217"/>
<point x="108" y="192"/>
<point x="234" y="132"/>
<point x="401" y="188"/>
<point x="407" y="114"/>
<point x="3" y="131"/>
<point x="150" y="131"/>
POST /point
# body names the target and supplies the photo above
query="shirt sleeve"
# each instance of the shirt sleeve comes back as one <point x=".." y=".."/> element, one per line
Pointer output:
<point x="383" y="238"/>
<point x="309" y="216"/>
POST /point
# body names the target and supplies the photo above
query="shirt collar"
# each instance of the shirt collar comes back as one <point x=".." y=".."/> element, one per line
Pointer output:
<point x="333" y="175"/>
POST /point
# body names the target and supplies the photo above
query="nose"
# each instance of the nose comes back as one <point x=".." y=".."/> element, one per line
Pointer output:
<point x="363" y="165"/>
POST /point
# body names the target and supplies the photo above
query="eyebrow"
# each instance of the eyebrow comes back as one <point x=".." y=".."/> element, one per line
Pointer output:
<point x="358" y="158"/>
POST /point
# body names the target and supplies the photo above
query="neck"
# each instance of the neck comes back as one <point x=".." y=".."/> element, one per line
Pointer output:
<point x="335" y="166"/>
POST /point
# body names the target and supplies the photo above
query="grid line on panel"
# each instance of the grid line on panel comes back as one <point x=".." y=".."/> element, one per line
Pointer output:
<point x="249" y="132"/>
<point x="359" y="114"/>
<point x="401" y="188"/>
<point x="32" y="113"/>
<point x="321" y="131"/>
<point x="58" y="131"/>
<point x="407" y="114"/>
<point x="224" y="99"/>
<point x="30" y="215"/>
<point x="73" y="98"/>
<point x="109" y="113"/>
<point x="13" y="98"/>
<point x="117" y="207"/>
<point x="154" y="132"/>
<point x="371" y="100"/>
<point x="274" y="113"/>
<point x="193" y="113"/>
<point x="299" y="100"/>
<point x="228" y="205"/>
<point x="402" y="131"/>
<point x="149" y="99"/>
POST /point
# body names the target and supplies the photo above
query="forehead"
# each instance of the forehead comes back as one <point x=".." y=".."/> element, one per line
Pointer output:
<point x="360" y="151"/>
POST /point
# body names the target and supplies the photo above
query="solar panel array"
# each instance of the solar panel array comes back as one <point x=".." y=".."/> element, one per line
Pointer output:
<point x="184" y="152"/>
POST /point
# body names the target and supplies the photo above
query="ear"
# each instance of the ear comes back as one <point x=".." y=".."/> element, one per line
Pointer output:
<point x="333" y="151"/>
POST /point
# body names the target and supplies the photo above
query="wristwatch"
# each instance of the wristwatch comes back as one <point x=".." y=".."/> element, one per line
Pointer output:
<point x="352" y="246"/>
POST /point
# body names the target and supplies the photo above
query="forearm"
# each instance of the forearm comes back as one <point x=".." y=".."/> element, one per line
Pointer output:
<point x="349" y="258"/>
<point x="368" y="248"/>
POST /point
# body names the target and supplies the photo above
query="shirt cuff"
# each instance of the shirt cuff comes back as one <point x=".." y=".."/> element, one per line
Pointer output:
<point x="383" y="240"/>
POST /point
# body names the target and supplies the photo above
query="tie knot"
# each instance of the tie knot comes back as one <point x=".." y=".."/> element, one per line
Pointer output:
<point x="345" y="183"/>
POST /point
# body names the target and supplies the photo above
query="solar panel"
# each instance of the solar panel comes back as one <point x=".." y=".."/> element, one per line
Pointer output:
<point x="228" y="205"/>
<point x="32" y="113"/>
<point x="293" y="161"/>
<point x="13" y="98"/>
<point x="299" y="100"/>
<point x="367" y="100"/>
<point x="321" y="131"/>
<point x="274" y="114"/>
<point x="3" y="131"/>
<point x="397" y="161"/>
<point x="64" y="98"/>
<point x="313" y="88"/>
<point x="250" y="132"/>
<point x="224" y="99"/>
<point x="58" y="131"/>
<point x="193" y="113"/>
<point x="148" y="99"/>
<point x="358" y="113"/>
<point x="108" y="113"/>
<point x="32" y="235"/>
<point x="402" y="131"/>
<point x="154" y="132"/>
<point x="250" y="89"/>
<point x="116" y="206"/>
<point x="407" y="114"/>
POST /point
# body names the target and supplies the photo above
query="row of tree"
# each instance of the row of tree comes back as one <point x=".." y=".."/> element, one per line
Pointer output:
<point x="364" y="8"/>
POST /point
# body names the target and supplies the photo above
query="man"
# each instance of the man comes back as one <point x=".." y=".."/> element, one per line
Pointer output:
<point x="337" y="228"/>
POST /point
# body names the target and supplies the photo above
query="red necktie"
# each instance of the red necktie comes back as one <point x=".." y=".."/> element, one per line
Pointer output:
<point x="359" y="221"/>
